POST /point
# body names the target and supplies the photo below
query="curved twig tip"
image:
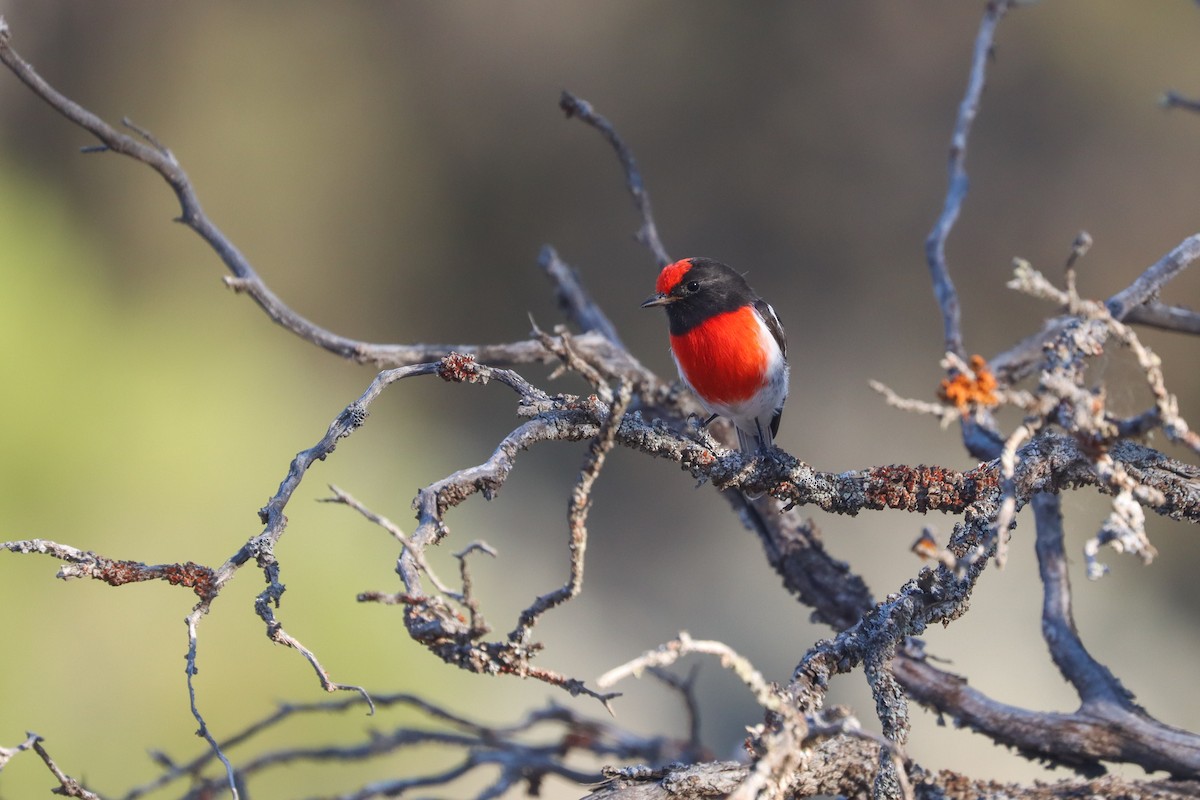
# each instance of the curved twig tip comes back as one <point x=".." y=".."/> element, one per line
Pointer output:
<point x="570" y="104"/>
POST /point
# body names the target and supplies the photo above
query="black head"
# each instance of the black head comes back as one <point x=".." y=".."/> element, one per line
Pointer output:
<point x="694" y="289"/>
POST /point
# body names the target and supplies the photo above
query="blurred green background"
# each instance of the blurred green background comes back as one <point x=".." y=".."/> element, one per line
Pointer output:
<point x="392" y="170"/>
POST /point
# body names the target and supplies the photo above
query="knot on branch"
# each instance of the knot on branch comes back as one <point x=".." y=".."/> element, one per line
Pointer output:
<point x="572" y="105"/>
<point x="433" y="623"/>
<point x="355" y="415"/>
<point x="460" y="368"/>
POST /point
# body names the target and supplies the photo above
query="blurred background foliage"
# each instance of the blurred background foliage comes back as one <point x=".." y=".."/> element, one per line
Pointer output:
<point x="392" y="170"/>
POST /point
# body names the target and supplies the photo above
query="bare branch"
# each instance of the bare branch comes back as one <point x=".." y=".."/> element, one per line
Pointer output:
<point x="935" y="244"/>
<point x="544" y="742"/>
<point x="86" y="564"/>
<point x="6" y="753"/>
<point x="891" y="708"/>
<point x="945" y="414"/>
<point x="1137" y="303"/>
<point x="284" y="712"/>
<point x="593" y="343"/>
<point x="193" y="622"/>
<point x="244" y="279"/>
<point x="261" y="547"/>
<point x="346" y="499"/>
<point x="837" y="768"/>
<point x="686" y="687"/>
<point x="428" y="620"/>
<point x="837" y="595"/>
<point x="1167" y="318"/>
<point x="1091" y="679"/>
<point x="1008" y="502"/>
<point x="581" y="503"/>
<point x="927" y="685"/>
<point x="1048" y="463"/>
<point x="68" y="786"/>
<point x="1173" y="99"/>
<point x="478" y="625"/>
<point x="648" y="234"/>
<point x="780" y="745"/>
<point x="1082" y="740"/>
<point x="667" y="654"/>
<point x="1062" y="397"/>
<point x="562" y="345"/>
<point x="574" y="300"/>
<point x="1155" y="277"/>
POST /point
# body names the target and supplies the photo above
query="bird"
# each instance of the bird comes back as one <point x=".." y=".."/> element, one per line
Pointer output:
<point x="728" y="345"/>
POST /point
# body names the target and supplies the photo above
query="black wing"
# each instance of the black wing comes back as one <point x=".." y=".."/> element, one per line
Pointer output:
<point x="768" y="315"/>
<point x="773" y="325"/>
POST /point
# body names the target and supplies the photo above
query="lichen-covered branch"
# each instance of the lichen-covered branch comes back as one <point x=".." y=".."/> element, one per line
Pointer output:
<point x="86" y="564"/>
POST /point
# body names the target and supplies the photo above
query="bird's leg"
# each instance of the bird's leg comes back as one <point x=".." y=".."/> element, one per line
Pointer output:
<point x="702" y="434"/>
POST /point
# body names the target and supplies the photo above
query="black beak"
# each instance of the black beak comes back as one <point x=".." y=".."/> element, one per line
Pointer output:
<point x="658" y="300"/>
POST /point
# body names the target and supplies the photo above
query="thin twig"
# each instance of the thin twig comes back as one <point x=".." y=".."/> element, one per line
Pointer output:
<point x="562" y="345"/>
<point x="581" y="503"/>
<point x="193" y="623"/>
<point x="478" y="626"/>
<point x="1136" y="303"/>
<point x="1091" y="679"/>
<point x="244" y="279"/>
<point x="574" y="106"/>
<point x="345" y="498"/>
<point x="574" y="300"/>
<point x="685" y="685"/>
<point x="1173" y="99"/>
<point x="767" y="695"/>
<point x="1165" y="317"/>
<point x="935" y="244"/>
<point x="1155" y="277"/>
<point x="68" y="786"/>
<point x="6" y="753"/>
<point x="945" y="414"/>
<point x="543" y="742"/>
<point x="86" y="564"/>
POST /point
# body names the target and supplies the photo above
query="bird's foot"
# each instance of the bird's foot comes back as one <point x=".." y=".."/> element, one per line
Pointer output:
<point x="700" y="430"/>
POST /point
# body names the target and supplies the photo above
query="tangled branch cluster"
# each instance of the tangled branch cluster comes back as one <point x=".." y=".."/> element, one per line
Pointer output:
<point x="1068" y="440"/>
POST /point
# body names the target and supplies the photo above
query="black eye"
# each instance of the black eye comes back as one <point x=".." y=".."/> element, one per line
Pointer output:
<point x="693" y="286"/>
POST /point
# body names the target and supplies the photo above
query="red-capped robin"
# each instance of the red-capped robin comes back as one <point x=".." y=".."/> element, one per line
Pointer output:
<point x="728" y="345"/>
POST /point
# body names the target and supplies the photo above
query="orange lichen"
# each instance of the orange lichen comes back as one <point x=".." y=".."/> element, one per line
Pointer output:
<point x="926" y="488"/>
<point x="965" y="391"/>
<point x="926" y="546"/>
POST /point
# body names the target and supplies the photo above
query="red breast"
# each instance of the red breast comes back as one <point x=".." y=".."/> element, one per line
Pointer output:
<point x="723" y="357"/>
